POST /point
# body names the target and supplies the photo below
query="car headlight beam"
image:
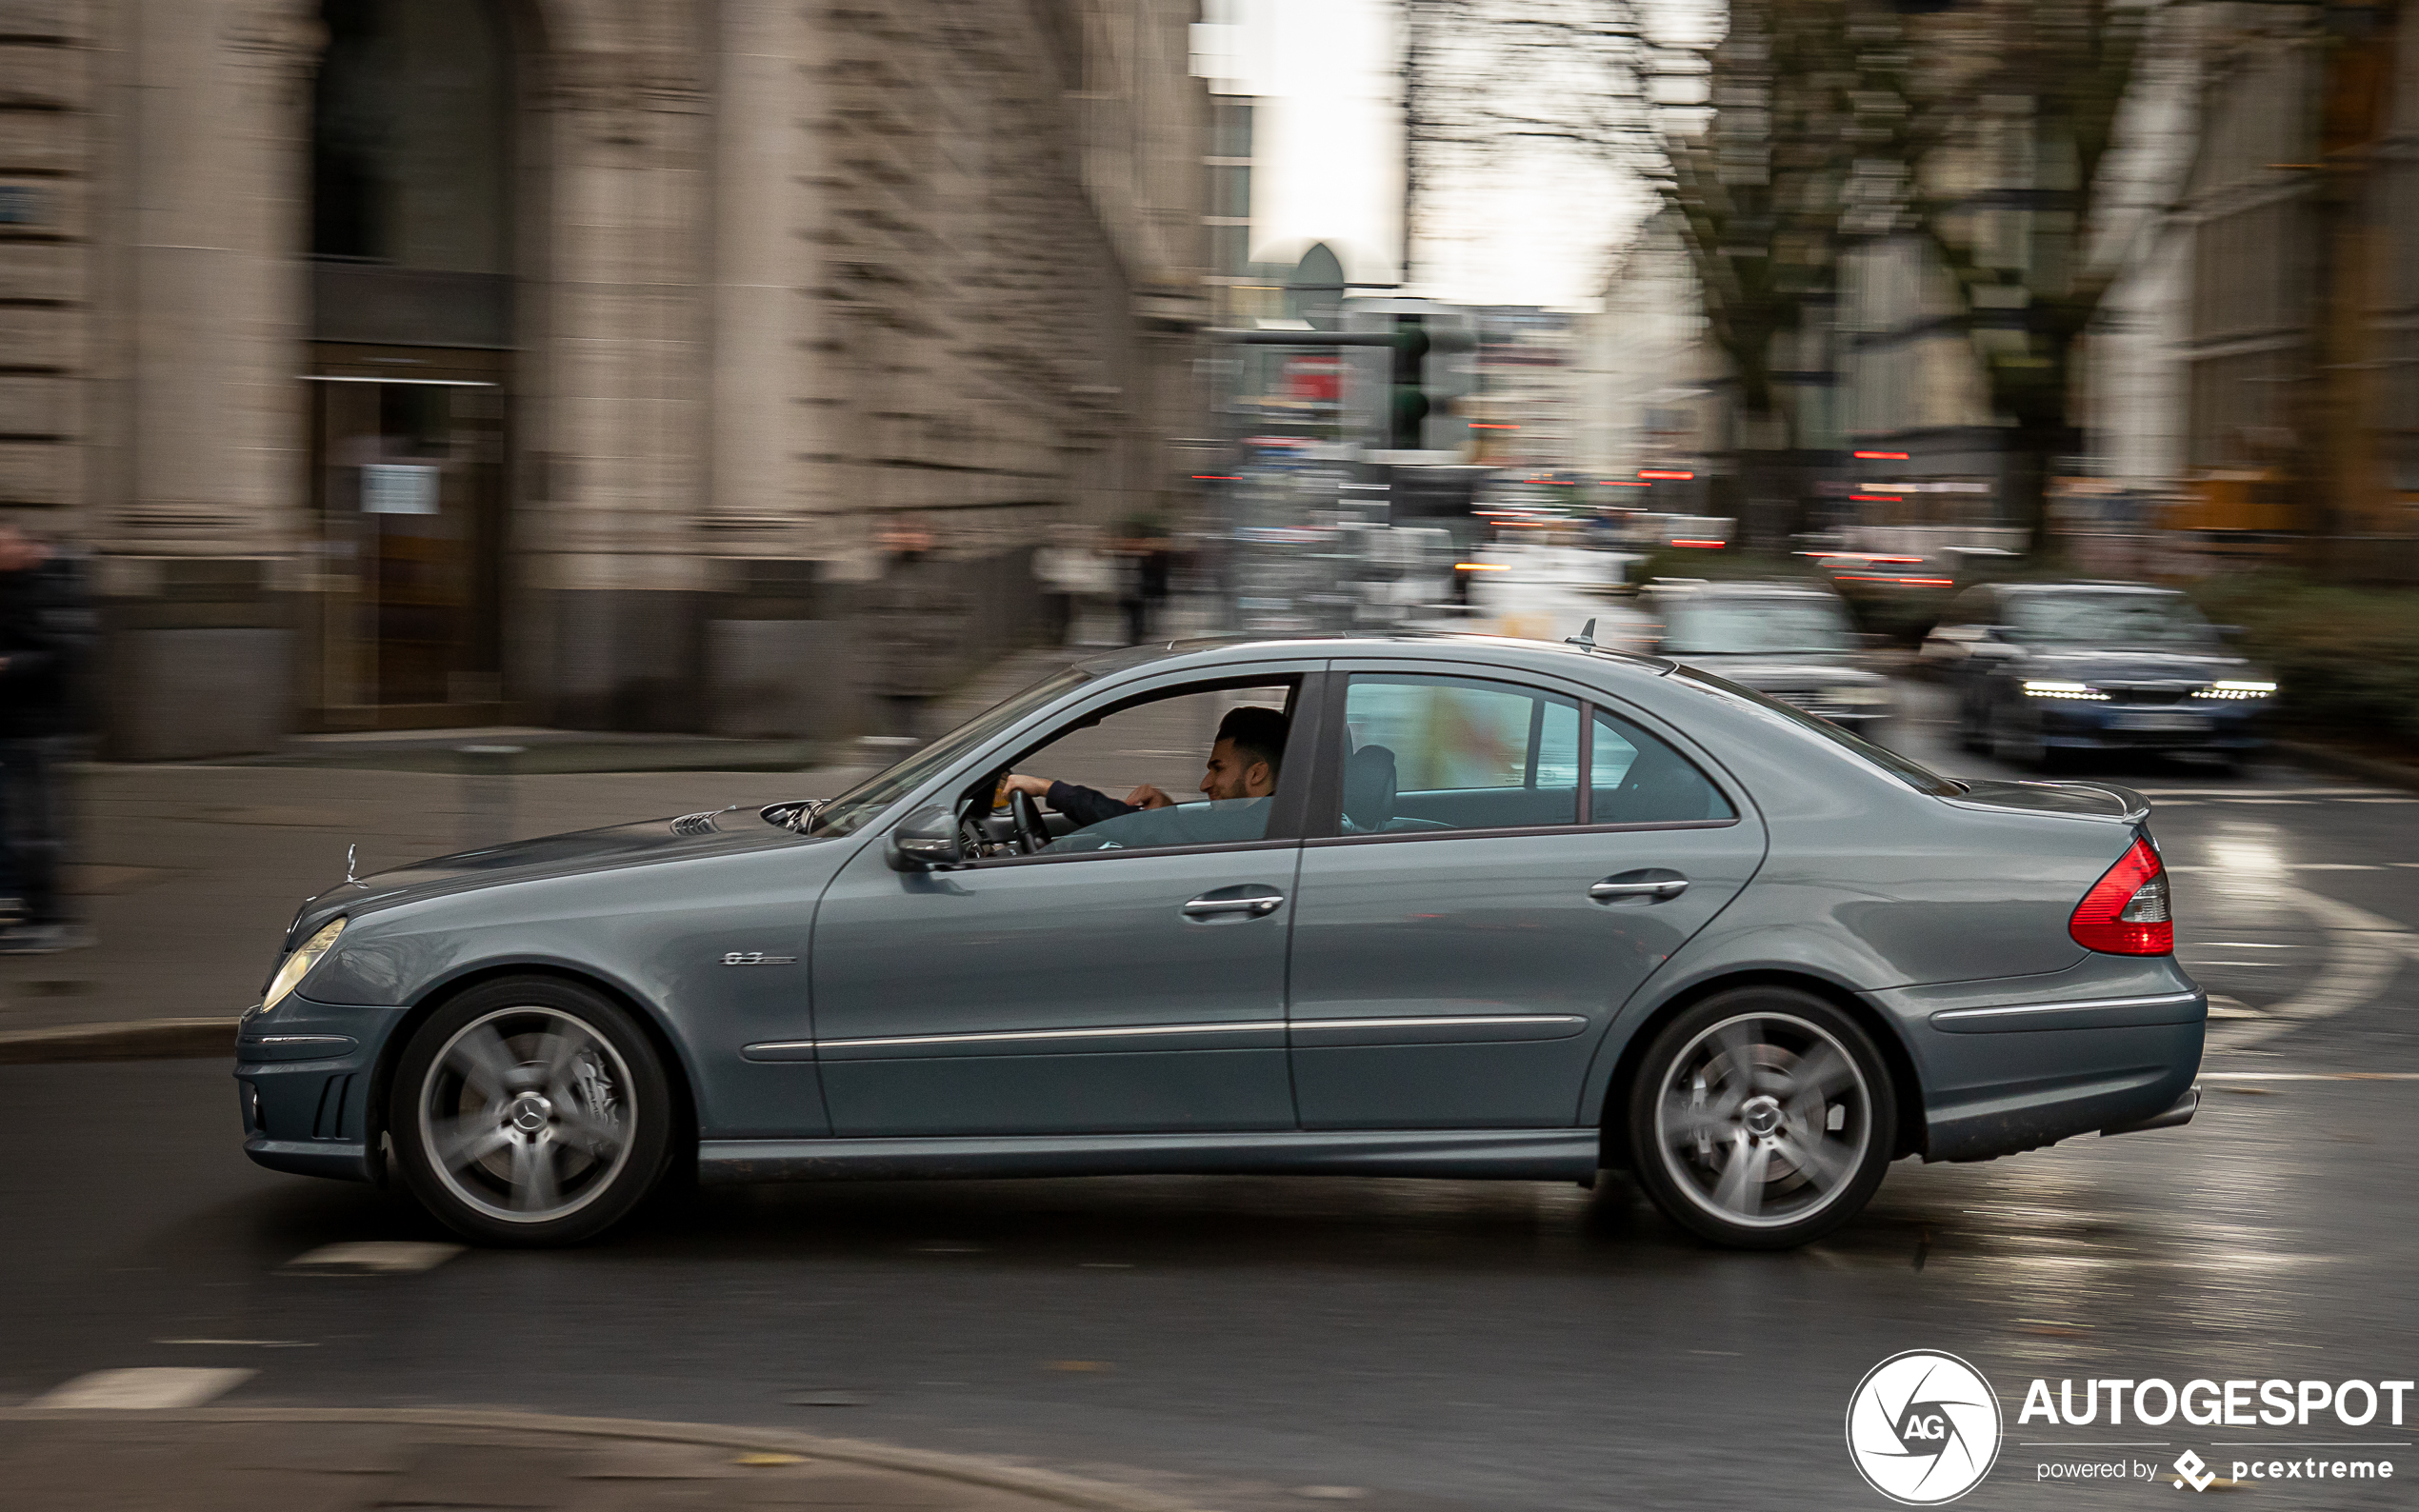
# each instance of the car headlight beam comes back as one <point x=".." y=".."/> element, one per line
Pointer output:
<point x="2084" y="691"/>
<point x="297" y="966"/>
<point x="2235" y="690"/>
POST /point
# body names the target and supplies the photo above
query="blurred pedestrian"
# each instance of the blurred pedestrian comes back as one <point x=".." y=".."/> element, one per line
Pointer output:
<point x="918" y="622"/>
<point x="46" y="632"/>
<point x="1065" y="570"/>
<point x="1142" y="583"/>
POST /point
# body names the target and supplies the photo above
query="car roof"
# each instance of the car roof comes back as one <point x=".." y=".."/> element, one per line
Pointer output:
<point x="1442" y="645"/>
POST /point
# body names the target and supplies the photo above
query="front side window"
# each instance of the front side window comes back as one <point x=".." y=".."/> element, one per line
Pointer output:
<point x="1196" y="765"/>
<point x="1434" y="754"/>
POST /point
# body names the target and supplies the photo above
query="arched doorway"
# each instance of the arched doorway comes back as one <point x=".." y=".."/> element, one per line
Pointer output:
<point x="412" y="373"/>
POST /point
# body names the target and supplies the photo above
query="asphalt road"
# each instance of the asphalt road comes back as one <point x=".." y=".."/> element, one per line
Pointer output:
<point x="1253" y="1344"/>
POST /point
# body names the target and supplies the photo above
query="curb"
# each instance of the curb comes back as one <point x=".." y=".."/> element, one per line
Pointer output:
<point x="2351" y="764"/>
<point x="964" y="1469"/>
<point x="143" y="1039"/>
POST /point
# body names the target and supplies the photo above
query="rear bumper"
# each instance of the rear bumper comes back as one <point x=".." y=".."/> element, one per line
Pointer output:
<point x="2003" y="1078"/>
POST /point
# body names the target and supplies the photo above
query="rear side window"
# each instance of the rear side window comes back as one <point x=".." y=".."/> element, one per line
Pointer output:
<point x="1636" y="779"/>
<point x="1457" y="753"/>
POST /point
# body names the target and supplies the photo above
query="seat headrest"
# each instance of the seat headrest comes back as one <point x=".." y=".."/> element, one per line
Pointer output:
<point x="1369" y="788"/>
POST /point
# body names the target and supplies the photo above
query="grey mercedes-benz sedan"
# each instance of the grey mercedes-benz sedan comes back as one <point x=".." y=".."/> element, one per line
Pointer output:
<point x="1439" y="907"/>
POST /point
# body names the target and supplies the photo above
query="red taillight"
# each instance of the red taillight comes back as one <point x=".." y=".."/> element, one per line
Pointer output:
<point x="2126" y="912"/>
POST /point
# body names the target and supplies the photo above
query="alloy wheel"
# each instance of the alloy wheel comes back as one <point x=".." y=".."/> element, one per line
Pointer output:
<point x="526" y="1114"/>
<point x="1763" y="1120"/>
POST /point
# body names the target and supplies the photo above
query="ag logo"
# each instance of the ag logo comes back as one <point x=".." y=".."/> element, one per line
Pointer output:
<point x="1922" y="1427"/>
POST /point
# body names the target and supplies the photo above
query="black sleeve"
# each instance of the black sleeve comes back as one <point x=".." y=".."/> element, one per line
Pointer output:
<point x="1084" y="806"/>
<point x="55" y="628"/>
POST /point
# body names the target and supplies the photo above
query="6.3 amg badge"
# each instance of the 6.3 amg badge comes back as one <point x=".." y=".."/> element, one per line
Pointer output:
<point x="1922" y="1427"/>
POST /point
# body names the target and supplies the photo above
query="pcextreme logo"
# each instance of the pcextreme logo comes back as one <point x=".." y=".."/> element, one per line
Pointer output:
<point x="1922" y="1427"/>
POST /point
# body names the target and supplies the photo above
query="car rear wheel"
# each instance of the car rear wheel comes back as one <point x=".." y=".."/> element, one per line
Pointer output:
<point x="1762" y="1117"/>
<point x="531" y="1111"/>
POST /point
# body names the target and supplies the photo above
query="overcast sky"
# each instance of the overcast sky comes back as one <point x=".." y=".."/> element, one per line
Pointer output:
<point x="1330" y="167"/>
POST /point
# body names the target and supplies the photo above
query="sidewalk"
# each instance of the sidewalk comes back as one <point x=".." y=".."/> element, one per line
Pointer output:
<point x="338" y="1459"/>
<point x="190" y="874"/>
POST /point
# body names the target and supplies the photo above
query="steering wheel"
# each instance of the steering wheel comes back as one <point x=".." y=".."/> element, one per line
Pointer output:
<point x="1031" y="833"/>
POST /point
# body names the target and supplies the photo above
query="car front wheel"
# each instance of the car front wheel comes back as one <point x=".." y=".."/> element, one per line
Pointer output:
<point x="1762" y="1117"/>
<point x="531" y="1111"/>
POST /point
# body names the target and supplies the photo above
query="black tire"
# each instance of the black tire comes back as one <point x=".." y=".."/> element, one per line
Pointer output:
<point x="529" y="1112"/>
<point x="1753" y="1161"/>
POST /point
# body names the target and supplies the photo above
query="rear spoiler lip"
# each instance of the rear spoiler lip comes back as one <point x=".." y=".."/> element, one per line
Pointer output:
<point x="2135" y="808"/>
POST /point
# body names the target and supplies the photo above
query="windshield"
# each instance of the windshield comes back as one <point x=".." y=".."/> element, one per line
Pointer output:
<point x="1923" y="779"/>
<point x="850" y="812"/>
<point x="1750" y="627"/>
<point x="2110" y="620"/>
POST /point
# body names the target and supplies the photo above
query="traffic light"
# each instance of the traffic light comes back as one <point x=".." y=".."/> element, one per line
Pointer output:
<point x="1406" y="394"/>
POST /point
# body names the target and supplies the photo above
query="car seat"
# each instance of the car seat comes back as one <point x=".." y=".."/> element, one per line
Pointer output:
<point x="1368" y="789"/>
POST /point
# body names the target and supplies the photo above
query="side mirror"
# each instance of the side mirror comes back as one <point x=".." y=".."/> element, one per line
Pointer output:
<point x="927" y="841"/>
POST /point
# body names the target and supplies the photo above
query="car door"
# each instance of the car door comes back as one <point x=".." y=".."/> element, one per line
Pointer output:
<point x="1127" y="990"/>
<point x="1478" y="908"/>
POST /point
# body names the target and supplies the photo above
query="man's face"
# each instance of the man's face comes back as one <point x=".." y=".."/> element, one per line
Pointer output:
<point x="1234" y="775"/>
<point x="18" y="549"/>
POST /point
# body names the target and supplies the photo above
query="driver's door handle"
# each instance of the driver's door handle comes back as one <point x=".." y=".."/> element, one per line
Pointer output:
<point x="1250" y="905"/>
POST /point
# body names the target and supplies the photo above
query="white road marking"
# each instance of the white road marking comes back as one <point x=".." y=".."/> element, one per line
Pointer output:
<point x="2309" y="1076"/>
<point x="2264" y="792"/>
<point x="155" y="1386"/>
<point x="241" y="1343"/>
<point x="2363" y="950"/>
<point x="372" y="1257"/>
<point x="2297" y="865"/>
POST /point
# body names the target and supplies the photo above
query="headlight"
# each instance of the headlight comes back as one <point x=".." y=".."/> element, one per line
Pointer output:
<point x="1857" y="695"/>
<point x="297" y="966"/>
<point x="2236" y="690"/>
<point x="2081" y="690"/>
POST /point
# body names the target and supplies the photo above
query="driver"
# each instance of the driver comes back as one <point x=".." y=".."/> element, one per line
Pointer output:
<point x="1238" y="779"/>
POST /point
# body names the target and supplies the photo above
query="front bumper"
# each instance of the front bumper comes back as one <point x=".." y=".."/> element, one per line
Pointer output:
<point x="2115" y="726"/>
<point x="304" y="1077"/>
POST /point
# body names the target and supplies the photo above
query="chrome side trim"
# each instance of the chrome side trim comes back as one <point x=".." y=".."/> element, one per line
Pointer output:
<point x="1443" y="1022"/>
<point x="792" y="1049"/>
<point x="1542" y="1154"/>
<point x="2090" y="1005"/>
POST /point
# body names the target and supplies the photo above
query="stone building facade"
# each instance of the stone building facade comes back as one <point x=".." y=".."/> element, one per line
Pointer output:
<point x="439" y="363"/>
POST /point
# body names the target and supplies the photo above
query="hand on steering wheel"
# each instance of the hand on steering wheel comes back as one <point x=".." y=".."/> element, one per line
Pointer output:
<point x="1031" y="833"/>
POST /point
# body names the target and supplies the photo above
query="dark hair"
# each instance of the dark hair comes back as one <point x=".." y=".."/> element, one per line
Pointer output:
<point x="1258" y="734"/>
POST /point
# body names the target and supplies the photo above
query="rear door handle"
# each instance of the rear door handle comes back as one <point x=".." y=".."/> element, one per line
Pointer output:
<point x="1659" y="890"/>
<point x="1226" y="901"/>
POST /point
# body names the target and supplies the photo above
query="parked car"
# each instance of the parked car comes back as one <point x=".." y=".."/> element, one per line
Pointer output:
<point x="2043" y="671"/>
<point x="1792" y="640"/>
<point x="1468" y="907"/>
